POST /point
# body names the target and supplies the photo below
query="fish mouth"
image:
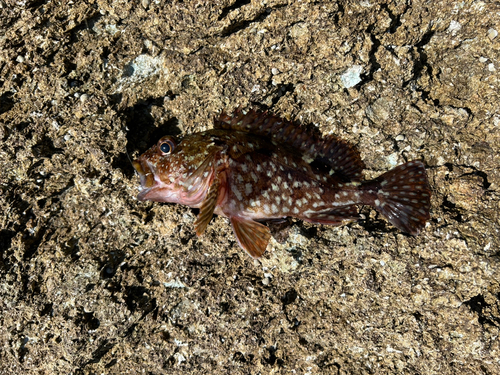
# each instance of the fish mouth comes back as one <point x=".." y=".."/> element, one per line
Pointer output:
<point x="151" y="188"/>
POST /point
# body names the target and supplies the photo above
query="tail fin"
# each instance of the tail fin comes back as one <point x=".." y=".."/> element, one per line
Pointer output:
<point x="403" y="196"/>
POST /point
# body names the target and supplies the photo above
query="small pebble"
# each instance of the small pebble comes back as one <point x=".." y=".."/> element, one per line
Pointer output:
<point x="20" y="59"/>
<point x="492" y="33"/>
<point x="84" y="98"/>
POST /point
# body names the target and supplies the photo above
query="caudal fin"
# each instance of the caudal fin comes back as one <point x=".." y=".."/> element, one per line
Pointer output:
<point x="403" y="196"/>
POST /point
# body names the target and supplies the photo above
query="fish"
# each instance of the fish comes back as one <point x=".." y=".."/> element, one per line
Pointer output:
<point x="254" y="167"/>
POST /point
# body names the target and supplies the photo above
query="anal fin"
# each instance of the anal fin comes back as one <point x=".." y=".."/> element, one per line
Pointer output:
<point x="338" y="216"/>
<point x="252" y="236"/>
<point x="207" y="207"/>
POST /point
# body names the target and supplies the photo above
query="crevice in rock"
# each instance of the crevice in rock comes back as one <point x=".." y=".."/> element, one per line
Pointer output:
<point x="236" y="5"/>
<point x="243" y="24"/>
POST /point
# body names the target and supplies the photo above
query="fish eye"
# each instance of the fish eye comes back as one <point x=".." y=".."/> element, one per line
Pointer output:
<point x="166" y="145"/>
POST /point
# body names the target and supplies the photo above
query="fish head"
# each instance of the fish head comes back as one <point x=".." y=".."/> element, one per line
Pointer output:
<point x="156" y="169"/>
<point x="176" y="171"/>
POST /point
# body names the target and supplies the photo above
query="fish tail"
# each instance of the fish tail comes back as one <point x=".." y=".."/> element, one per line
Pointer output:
<point x="402" y="195"/>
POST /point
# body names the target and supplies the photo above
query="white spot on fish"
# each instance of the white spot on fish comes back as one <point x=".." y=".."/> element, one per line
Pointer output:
<point x="255" y="203"/>
<point x="295" y="210"/>
<point x="377" y="202"/>
<point x="274" y="208"/>
<point x="236" y="192"/>
<point x="244" y="168"/>
<point x="248" y="189"/>
<point x="254" y="177"/>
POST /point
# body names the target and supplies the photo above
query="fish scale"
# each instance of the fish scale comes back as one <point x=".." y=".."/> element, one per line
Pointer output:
<point x="254" y="166"/>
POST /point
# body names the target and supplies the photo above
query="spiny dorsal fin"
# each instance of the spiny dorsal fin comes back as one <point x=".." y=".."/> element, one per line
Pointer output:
<point x="334" y="152"/>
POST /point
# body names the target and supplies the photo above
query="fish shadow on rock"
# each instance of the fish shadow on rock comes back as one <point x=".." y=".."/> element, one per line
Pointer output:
<point x="143" y="131"/>
<point x="376" y="226"/>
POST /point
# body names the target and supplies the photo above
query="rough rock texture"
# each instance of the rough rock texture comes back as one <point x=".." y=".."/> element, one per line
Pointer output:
<point x="93" y="281"/>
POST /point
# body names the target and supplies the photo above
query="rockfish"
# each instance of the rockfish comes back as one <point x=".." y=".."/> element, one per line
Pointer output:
<point x="254" y="166"/>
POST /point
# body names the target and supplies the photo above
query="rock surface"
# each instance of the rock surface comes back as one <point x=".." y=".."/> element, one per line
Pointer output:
<point x="93" y="281"/>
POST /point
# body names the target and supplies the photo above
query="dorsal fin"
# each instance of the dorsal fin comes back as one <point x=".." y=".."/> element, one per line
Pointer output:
<point x="334" y="152"/>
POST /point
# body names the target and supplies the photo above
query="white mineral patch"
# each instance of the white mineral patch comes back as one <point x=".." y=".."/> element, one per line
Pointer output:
<point x="351" y="76"/>
<point x="392" y="159"/>
<point x="454" y="27"/>
<point x="174" y="284"/>
<point x="142" y="67"/>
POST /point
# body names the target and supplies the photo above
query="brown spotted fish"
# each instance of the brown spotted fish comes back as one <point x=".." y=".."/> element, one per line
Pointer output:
<point x="254" y="166"/>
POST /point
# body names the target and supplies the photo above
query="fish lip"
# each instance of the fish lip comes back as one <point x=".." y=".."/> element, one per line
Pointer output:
<point x="146" y="172"/>
<point x="146" y="176"/>
<point x="142" y="196"/>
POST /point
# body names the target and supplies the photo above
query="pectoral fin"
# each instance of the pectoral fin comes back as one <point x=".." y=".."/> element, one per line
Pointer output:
<point x="207" y="207"/>
<point x="252" y="236"/>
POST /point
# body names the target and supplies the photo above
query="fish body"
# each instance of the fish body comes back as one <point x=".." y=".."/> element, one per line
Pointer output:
<point x="254" y="167"/>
